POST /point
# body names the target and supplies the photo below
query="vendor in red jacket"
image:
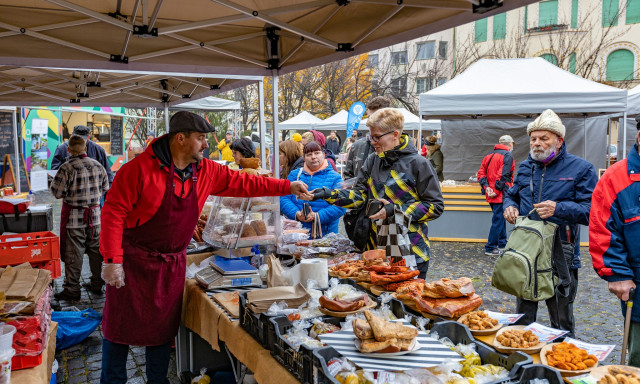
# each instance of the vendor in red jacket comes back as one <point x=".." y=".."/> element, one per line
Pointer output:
<point x="147" y="221"/>
<point x="496" y="176"/>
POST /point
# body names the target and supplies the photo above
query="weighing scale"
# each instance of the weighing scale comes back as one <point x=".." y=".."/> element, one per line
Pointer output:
<point x="228" y="273"/>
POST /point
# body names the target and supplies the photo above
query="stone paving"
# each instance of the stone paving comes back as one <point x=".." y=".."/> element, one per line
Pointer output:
<point x="597" y="312"/>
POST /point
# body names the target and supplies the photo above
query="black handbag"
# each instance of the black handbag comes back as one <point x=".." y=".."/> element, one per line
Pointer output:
<point x="357" y="225"/>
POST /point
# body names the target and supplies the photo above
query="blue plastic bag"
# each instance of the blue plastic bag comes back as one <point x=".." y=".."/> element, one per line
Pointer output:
<point x="74" y="327"/>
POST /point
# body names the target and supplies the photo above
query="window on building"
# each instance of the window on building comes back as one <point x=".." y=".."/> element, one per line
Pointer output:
<point x="500" y="26"/>
<point x="442" y="49"/>
<point x="481" y="30"/>
<point x="548" y="13"/>
<point x="426" y="50"/>
<point x="399" y="58"/>
<point x="399" y="86"/>
<point x="620" y="65"/>
<point x="424" y="84"/>
<point x="373" y="61"/>
<point x="574" y="14"/>
<point x="441" y="80"/>
<point x="572" y="63"/>
<point x="633" y="11"/>
<point x="610" y="13"/>
<point x="550" y="58"/>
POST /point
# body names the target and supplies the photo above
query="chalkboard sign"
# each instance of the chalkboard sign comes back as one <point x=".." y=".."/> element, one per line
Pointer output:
<point x="117" y="139"/>
<point x="8" y="132"/>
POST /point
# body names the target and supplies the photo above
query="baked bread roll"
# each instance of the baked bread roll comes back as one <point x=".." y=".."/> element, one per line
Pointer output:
<point x="260" y="227"/>
<point x="248" y="231"/>
<point x="362" y="329"/>
<point x="250" y="163"/>
<point x="250" y="171"/>
<point x="386" y="330"/>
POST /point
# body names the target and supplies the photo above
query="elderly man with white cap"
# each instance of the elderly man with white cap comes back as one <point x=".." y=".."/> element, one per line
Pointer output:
<point x="496" y="177"/>
<point x="559" y="186"/>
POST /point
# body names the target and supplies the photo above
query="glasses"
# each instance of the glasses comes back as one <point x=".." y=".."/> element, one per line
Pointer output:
<point x="376" y="138"/>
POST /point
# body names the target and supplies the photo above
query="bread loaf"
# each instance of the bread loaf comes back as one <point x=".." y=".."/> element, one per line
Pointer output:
<point x="260" y="227"/>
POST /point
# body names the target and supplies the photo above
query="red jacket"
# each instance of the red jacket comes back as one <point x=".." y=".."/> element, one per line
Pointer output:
<point x="139" y="186"/>
<point x="496" y="171"/>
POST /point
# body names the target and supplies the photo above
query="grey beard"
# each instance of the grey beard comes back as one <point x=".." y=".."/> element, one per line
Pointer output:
<point x="538" y="156"/>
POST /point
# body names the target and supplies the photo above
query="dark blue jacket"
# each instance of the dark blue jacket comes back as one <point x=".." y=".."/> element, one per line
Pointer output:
<point x="614" y="230"/>
<point x="94" y="151"/>
<point x="568" y="180"/>
<point x="329" y="214"/>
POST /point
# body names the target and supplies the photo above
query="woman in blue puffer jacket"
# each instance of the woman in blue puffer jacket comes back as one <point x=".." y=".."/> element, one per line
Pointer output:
<point x="316" y="173"/>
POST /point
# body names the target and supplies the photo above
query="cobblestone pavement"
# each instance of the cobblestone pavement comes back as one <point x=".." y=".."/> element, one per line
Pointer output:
<point x="597" y="312"/>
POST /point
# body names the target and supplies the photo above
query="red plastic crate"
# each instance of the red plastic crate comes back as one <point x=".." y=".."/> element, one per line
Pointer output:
<point x="53" y="266"/>
<point x="33" y="247"/>
<point x="23" y="362"/>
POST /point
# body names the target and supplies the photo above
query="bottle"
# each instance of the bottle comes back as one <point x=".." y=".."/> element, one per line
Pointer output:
<point x="256" y="257"/>
<point x="32" y="199"/>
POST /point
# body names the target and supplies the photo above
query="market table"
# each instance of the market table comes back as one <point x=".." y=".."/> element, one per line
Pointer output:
<point x="201" y="315"/>
<point x="40" y="374"/>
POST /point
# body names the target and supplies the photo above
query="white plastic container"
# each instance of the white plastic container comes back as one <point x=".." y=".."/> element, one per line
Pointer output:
<point x="5" y="366"/>
<point x="6" y="338"/>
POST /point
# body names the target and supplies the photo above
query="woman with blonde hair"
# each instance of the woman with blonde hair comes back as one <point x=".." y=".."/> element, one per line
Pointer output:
<point x="290" y="157"/>
<point x="400" y="179"/>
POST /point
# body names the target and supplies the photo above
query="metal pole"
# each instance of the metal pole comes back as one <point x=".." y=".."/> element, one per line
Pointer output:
<point x="166" y="118"/>
<point x="419" y="129"/>
<point x="624" y="136"/>
<point x="263" y="128"/>
<point x="16" y="154"/>
<point x="276" y="131"/>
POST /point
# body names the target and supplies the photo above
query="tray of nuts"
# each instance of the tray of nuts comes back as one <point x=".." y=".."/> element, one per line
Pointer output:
<point x="479" y="323"/>
<point x="516" y="338"/>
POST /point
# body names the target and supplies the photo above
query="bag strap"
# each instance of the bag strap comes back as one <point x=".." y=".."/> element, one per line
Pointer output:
<point x="5" y="223"/>
<point x="560" y="267"/>
<point x="29" y="220"/>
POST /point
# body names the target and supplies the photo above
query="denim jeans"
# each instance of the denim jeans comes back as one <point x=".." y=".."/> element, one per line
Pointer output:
<point x="498" y="231"/>
<point x="114" y="363"/>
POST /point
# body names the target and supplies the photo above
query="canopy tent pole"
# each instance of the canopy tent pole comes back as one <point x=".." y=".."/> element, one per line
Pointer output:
<point x="276" y="131"/>
<point x="263" y="130"/>
<point x="624" y="135"/>
<point x="166" y="117"/>
<point x="419" y="144"/>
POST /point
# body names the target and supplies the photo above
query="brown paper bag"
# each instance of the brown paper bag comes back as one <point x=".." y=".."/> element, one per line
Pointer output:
<point x="275" y="276"/>
<point x="23" y="283"/>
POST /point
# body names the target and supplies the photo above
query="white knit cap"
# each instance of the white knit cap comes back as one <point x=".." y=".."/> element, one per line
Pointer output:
<point x="547" y="121"/>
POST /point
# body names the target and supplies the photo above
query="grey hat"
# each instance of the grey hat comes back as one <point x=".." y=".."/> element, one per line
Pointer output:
<point x="151" y="133"/>
<point x="229" y="133"/>
<point x="82" y="130"/>
<point x="186" y="121"/>
<point x="506" y="139"/>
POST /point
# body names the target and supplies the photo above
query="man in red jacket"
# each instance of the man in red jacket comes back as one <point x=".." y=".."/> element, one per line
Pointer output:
<point x="496" y="176"/>
<point x="147" y="222"/>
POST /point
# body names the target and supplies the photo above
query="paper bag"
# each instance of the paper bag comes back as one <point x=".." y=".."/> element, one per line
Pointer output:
<point x="275" y="276"/>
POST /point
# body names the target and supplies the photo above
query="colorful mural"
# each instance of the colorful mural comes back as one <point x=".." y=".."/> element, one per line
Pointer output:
<point x="38" y="147"/>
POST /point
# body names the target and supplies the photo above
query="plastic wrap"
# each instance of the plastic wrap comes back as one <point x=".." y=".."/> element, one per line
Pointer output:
<point x="321" y="328"/>
<point x="298" y="335"/>
<point x="341" y="291"/>
<point x="280" y="309"/>
<point x="203" y="378"/>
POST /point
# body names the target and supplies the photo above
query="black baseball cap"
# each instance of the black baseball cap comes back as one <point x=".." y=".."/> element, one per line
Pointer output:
<point x="186" y="121"/>
<point x="82" y="130"/>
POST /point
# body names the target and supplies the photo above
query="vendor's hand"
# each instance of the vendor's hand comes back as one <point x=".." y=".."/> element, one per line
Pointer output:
<point x="621" y="288"/>
<point x="381" y="214"/>
<point x="113" y="274"/>
<point x="545" y="209"/>
<point x="511" y="214"/>
<point x="299" y="189"/>
<point x="300" y="217"/>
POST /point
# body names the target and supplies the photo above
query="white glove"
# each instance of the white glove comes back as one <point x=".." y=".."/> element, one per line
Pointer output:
<point x="113" y="274"/>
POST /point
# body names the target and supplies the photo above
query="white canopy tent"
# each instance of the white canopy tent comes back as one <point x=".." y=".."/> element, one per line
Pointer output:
<point x="207" y="104"/>
<point x="495" y="97"/>
<point x="302" y="121"/>
<point x="337" y="122"/>
<point x="633" y="101"/>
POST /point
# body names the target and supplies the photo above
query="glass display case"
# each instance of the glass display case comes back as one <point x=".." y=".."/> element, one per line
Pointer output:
<point x="236" y="222"/>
